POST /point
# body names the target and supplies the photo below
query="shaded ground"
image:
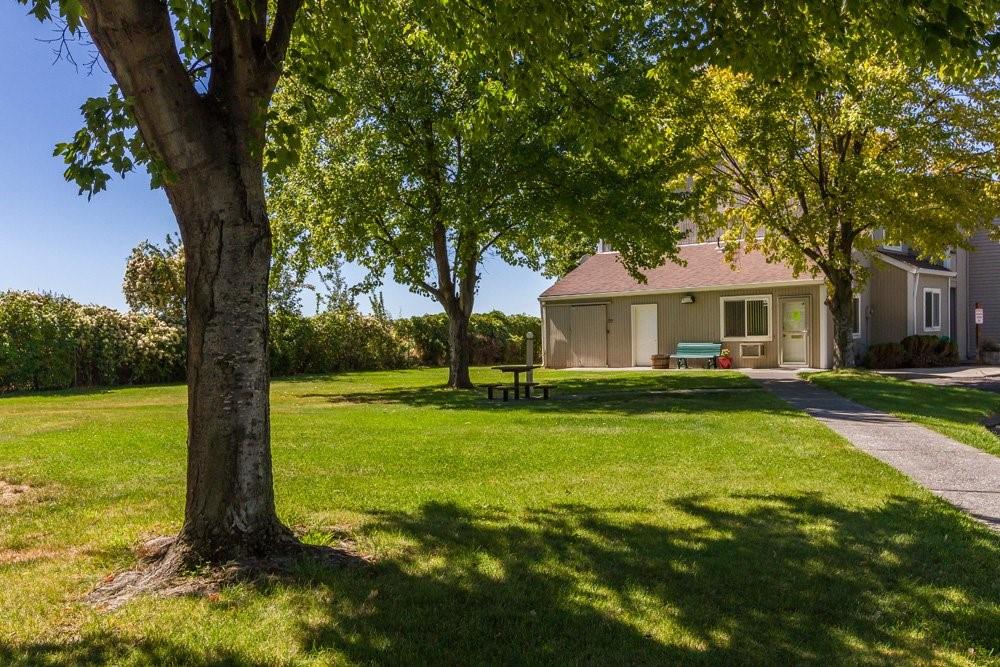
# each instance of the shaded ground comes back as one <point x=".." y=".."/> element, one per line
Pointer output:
<point x="684" y="519"/>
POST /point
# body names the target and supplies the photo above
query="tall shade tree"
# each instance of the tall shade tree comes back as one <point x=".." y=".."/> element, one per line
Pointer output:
<point x="818" y="176"/>
<point x="432" y="159"/>
<point x="195" y="80"/>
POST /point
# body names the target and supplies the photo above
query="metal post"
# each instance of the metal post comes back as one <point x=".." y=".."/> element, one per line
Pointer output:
<point x="979" y="350"/>
<point x="529" y="343"/>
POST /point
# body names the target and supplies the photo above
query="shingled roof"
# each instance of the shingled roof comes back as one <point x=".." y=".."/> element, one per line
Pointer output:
<point x="705" y="268"/>
<point x="912" y="260"/>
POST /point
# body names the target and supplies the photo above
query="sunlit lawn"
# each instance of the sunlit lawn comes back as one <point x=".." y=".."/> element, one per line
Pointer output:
<point x="954" y="411"/>
<point x="636" y="518"/>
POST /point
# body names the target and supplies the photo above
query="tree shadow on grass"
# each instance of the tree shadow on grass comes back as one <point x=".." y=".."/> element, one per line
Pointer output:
<point x="576" y="395"/>
<point x="963" y="405"/>
<point x="109" y="649"/>
<point x="779" y="580"/>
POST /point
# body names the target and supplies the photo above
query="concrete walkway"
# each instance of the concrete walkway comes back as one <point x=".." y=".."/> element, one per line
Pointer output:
<point x="964" y="476"/>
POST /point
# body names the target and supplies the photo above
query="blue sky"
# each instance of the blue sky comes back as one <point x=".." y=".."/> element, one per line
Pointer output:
<point x="52" y="239"/>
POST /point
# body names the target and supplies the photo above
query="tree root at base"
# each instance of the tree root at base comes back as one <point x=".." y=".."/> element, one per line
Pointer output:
<point x="168" y="568"/>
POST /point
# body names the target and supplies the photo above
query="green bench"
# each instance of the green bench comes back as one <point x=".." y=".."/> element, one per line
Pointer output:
<point x="709" y="351"/>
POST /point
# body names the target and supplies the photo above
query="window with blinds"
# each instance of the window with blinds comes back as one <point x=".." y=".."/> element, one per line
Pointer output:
<point x="746" y="318"/>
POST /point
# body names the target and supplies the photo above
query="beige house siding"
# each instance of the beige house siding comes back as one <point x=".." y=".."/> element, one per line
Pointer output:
<point x="890" y="307"/>
<point x="920" y="283"/>
<point x="696" y="322"/>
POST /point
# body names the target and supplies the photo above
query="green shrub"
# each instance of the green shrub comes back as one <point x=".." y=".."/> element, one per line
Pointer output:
<point x="929" y="351"/>
<point x="497" y="338"/>
<point x="37" y="341"/>
<point x="51" y="342"/>
<point x="884" y="355"/>
<point x="339" y="340"/>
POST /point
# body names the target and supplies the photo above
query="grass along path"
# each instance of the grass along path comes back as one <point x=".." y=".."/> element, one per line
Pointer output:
<point x="956" y="412"/>
<point x="640" y="518"/>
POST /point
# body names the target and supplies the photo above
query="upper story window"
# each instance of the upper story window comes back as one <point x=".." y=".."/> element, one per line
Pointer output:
<point x="746" y="318"/>
<point x="932" y="309"/>
<point x="604" y="246"/>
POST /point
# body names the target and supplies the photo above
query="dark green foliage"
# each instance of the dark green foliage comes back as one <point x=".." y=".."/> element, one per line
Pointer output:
<point x="51" y="342"/>
<point x="338" y="340"/>
<point x="913" y="352"/>
<point x="928" y="351"/>
<point x="497" y="338"/>
<point x="37" y="341"/>
<point x="885" y="355"/>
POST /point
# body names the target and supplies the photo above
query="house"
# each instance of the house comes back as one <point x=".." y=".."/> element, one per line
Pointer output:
<point x="597" y="315"/>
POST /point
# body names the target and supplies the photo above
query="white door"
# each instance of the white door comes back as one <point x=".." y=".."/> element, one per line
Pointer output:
<point x="795" y="332"/>
<point x="644" y="338"/>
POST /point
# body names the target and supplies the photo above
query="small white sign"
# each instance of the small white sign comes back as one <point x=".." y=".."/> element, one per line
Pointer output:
<point x="979" y="315"/>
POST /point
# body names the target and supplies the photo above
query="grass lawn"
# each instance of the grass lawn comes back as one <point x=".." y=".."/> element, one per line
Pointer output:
<point x="640" y="518"/>
<point x="954" y="411"/>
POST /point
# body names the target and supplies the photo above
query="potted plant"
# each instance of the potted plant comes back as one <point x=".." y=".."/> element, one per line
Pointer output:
<point x="725" y="359"/>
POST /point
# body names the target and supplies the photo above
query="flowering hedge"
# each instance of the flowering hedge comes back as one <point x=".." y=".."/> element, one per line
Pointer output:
<point x="497" y="338"/>
<point x="51" y="342"/>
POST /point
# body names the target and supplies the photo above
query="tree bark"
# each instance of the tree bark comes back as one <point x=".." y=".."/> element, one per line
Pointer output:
<point x="229" y="512"/>
<point x="211" y="146"/>
<point x="459" y="349"/>
<point x="840" y="299"/>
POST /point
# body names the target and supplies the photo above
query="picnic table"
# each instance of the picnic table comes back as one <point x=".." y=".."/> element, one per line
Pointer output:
<point x="516" y="369"/>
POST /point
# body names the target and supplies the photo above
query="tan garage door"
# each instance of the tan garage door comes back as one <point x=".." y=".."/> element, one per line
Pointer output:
<point x="589" y="335"/>
<point x="557" y="354"/>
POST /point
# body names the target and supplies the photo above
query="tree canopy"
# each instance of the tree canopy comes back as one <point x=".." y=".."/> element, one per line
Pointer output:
<point x="818" y="178"/>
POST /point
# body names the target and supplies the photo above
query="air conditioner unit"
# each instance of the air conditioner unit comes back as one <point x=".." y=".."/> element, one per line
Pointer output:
<point x="751" y="350"/>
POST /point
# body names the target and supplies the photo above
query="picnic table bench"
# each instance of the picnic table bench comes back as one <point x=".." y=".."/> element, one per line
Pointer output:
<point x="505" y="390"/>
<point x="709" y="351"/>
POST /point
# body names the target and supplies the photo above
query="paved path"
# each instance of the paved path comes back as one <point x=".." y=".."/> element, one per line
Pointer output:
<point x="964" y="476"/>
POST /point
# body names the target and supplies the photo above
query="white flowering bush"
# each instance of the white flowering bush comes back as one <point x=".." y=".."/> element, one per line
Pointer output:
<point x="51" y="342"/>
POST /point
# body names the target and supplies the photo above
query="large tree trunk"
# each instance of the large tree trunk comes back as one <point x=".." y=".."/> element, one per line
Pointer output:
<point x="230" y="512"/>
<point x="840" y="301"/>
<point x="459" y="349"/>
<point x="211" y="145"/>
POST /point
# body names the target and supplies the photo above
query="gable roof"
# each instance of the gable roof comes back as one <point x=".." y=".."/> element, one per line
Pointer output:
<point x="706" y="268"/>
<point x="912" y="260"/>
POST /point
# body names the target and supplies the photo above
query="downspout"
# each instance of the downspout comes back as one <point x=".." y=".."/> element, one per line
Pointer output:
<point x="545" y="347"/>
<point x="824" y="329"/>
<point x="913" y="312"/>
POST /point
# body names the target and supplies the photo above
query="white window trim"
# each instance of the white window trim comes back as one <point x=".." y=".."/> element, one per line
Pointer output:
<point x="748" y="297"/>
<point x="933" y="290"/>
<point x="861" y="327"/>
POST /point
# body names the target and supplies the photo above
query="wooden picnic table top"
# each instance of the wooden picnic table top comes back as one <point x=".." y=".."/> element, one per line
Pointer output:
<point x="514" y="368"/>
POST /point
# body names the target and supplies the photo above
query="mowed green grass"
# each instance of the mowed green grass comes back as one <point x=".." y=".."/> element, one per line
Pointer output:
<point x="638" y="518"/>
<point x="956" y="412"/>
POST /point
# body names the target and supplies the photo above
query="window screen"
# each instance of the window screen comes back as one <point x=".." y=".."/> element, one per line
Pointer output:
<point x="758" y="320"/>
<point x="746" y="318"/>
<point x="735" y="319"/>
